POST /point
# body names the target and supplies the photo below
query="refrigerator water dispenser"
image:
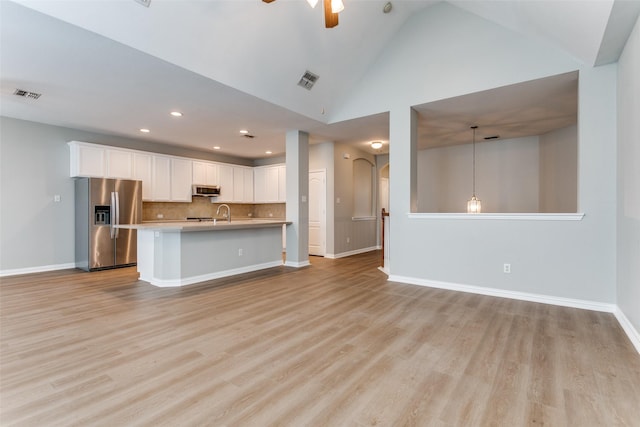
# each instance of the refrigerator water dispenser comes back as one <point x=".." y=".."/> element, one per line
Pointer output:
<point x="102" y="215"/>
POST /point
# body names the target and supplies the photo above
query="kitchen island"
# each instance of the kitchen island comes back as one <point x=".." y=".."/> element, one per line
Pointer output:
<point x="181" y="253"/>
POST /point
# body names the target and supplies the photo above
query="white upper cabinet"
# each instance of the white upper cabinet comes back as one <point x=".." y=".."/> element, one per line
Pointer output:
<point x="226" y="183"/>
<point x="142" y="168"/>
<point x="282" y="183"/>
<point x="169" y="178"/>
<point x="181" y="178"/>
<point x="205" y="173"/>
<point x="242" y="184"/>
<point x="119" y="163"/>
<point x="248" y="185"/>
<point x="161" y="179"/>
<point x="270" y="184"/>
<point x="87" y="160"/>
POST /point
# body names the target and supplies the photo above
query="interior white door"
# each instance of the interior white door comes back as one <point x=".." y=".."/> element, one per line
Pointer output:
<point x="317" y="212"/>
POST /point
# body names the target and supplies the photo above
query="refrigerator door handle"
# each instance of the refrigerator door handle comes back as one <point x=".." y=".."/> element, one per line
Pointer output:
<point x="112" y="215"/>
<point x="117" y="213"/>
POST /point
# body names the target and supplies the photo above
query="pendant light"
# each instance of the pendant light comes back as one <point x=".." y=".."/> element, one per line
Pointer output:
<point x="337" y="6"/>
<point x="312" y="3"/>
<point x="474" y="205"/>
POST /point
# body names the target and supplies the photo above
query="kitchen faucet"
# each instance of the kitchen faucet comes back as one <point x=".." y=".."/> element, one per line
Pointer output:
<point x="228" y="211"/>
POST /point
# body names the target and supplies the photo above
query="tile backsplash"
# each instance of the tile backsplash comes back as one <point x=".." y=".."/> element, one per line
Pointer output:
<point x="202" y="207"/>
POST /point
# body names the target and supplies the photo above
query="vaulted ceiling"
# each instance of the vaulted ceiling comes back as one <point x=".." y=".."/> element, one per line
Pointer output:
<point x="116" y="66"/>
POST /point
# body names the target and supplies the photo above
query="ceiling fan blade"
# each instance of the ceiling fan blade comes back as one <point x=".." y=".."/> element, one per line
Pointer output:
<point x="330" y="18"/>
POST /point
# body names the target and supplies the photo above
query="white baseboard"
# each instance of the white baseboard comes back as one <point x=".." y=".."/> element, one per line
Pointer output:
<point x="206" y="277"/>
<point x="39" y="269"/>
<point x="297" y="264"/>
<point x="628" y="328"/>
<point x="502" y="293"/>
<point x="626" y="325"/>
<point x="354" y="252"/>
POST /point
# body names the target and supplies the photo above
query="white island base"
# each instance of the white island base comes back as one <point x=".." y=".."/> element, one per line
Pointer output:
<point x="178" y="255"/>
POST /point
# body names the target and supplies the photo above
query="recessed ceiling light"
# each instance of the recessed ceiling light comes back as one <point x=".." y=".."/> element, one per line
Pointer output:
<point x="244" y="131"/>
<point x="216" y="148"/>
<point x="268" y="152"/>
<point x="143" y="130"/>
<point x="176" y="114"/>
<point x="376" y="145"/>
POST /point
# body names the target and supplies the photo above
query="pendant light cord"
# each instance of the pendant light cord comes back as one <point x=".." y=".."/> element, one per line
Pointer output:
<point x="474" y="159"/>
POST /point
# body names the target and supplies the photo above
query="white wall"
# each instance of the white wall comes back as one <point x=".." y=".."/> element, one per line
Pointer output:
<point x="430" y="59"/>
<point x="628" y="266"/>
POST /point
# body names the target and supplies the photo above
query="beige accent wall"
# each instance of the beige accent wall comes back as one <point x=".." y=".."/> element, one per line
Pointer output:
<point x="559" y="170"/>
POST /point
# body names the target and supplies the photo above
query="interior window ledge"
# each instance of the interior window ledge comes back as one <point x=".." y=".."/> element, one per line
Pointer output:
<point x="501" y="216"/>
<point x="363" y="218"/>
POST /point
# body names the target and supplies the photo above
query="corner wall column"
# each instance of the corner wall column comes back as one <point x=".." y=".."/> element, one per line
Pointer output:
<point x="297" y="162"/>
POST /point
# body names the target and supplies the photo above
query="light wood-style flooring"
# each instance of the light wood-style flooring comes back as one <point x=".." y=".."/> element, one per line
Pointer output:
<point x="333" y="344"/>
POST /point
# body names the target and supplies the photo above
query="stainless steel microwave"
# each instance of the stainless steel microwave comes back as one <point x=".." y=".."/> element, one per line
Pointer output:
<point x="205" y="190"/>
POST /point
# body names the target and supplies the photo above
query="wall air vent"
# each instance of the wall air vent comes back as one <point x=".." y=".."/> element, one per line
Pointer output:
<point x="145" y="3"/>
<point x="26" y="94"/>
<point x="308" y="80"/>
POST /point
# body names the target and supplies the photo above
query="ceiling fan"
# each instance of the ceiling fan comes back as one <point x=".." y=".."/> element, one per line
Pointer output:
<point x="331" y="10"/>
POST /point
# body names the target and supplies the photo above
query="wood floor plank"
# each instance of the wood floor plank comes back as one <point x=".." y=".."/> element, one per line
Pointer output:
<point x="331" y="344"/>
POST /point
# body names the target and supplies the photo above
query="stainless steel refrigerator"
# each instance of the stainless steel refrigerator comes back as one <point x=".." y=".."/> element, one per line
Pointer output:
<point x="102" y="203"/>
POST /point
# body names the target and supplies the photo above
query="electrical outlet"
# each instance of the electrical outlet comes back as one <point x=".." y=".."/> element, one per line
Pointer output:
<point x="348" y="239"/>
<point x="240" y="252"/>
<point x="56" y="198"/>
<point x="160" y="216"/>
<point x="507" y="268"/>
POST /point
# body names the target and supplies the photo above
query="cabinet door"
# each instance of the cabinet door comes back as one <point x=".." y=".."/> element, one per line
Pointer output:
<point x="119" y="164"/>
<point x="248" y="185"/>
<point x="282" y="184"/>
<point x="142" y="166"/>
<point x="161" y="179"/>
<point x="205" y="173"/>
<point x="226" y="183"/>
<point x="181" y="178"/>
<point x="272" y="184"/>
<point x="260" y="185"/>
<point x="238" y="184"/>
<point x="87" y="160"/>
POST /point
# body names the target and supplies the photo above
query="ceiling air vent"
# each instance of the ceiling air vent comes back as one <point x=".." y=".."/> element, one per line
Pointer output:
<point x="308" y="80"/>
<point x="27" y="94"/>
